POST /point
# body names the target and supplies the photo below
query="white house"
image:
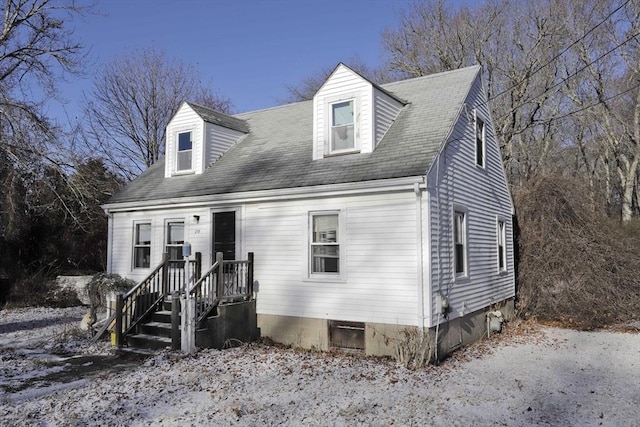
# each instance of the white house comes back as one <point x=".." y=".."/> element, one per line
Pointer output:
<point x="370" y="209"/>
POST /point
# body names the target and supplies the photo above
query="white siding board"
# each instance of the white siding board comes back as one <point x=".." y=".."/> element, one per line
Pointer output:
<point x="184" y="120"/>
<point x="218" y="140"/>
<point x="385" y="112"/>
<point x="484" y="194"/>
<point x="379" y="243"/>
<point x="379" y="283"/>
<point x="343" y="84"/>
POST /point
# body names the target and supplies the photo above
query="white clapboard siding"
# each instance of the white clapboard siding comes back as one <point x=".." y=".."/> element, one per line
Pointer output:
<point x="218" y="139"/>
<point x="380" y="284"/>
<point x="386" y="110"/>
<point x="483" y="194"/>
<point x="185" y="120"/>
<point x="343" y="84"/>
<point x="123" y="225"/>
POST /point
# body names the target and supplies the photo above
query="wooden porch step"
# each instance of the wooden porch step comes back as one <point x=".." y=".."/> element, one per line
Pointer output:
<point x="160" y="329"/>
<point x="162" y="316"/>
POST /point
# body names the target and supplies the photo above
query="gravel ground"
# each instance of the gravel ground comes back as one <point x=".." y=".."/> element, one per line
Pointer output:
<point x="529" y="375"/>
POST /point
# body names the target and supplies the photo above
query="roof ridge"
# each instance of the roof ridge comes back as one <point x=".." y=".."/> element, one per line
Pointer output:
<point x="219" y="118"/>
<point x="434" y="75"/>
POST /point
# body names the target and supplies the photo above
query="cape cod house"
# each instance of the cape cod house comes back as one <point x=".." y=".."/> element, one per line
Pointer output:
<point x="370" y="210"/>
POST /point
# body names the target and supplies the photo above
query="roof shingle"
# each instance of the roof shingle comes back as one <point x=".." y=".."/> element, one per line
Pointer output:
<point x="277" y="151"/>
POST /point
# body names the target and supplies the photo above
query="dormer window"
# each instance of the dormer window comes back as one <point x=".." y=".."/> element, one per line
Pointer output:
<point x="343" y="137"/>
<point x="185" y="150"/>
<point x="350" y="114"/>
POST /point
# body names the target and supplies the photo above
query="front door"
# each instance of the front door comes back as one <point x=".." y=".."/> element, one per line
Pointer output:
<point x="224" y="234"/>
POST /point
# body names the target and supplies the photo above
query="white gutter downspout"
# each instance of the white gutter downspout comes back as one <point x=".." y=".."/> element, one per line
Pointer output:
<point x="109" y="241"/>
<point x="418" y="191"/>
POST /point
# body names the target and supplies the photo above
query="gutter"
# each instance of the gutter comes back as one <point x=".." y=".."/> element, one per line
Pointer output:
<point x="344" y="189"/>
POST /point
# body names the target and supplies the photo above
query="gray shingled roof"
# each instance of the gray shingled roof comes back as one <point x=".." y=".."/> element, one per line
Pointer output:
<point x="276" y="153"/>
<point x="220" y="119"/>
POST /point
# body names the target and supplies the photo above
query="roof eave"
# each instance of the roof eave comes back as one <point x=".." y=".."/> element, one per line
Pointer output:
<point x="347" y="188"/>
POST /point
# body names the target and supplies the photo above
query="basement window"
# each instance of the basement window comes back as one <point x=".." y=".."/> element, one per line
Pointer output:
<point x="346" y="335"/>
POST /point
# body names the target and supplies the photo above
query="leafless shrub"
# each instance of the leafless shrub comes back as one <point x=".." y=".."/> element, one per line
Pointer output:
<point x="100" y="286"/>
<point x="414" y="349"/>
<point x="576" y="266"/>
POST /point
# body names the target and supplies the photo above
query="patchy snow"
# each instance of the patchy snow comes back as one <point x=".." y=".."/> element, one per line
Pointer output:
<point x="539" y="376"/>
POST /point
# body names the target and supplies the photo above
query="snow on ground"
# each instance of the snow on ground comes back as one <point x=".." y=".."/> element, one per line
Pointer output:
<point x="541" y="376"/>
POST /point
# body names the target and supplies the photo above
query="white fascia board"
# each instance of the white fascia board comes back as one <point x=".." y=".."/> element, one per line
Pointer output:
<point x="364" y="187"/>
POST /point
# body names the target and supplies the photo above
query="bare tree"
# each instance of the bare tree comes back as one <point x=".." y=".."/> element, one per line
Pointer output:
<point x="36" y="51"/>
<point x="131" y="102"/>
<point x="514" y="42"/>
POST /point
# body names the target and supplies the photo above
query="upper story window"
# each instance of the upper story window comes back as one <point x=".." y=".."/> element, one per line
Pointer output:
<point x="142" y="246"/>
<point x="175" y="240"/>
<point x="184" y="153"/>
<point x="460" y="243"/>
<point x="342" y="135"/>
<point x="480" y="142"/>
<point x="502" y="247"/>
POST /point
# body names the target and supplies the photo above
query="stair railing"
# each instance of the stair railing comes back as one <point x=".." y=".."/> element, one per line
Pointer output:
<point x="142" y="299"/>
<point x="225" y="281"/>
<point x="205" y="290"/>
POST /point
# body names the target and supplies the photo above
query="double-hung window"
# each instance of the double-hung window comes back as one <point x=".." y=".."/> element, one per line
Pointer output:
<point x="184" y="152"/>
<point x="342" y="134"/>
<point x="324" y="243"/>
<point x="460" y="243"/>
<point x="175" y="240"/>
<point x="502" y="247"/>
<point x="142" y="246"/>
<point x="480" y="142"/>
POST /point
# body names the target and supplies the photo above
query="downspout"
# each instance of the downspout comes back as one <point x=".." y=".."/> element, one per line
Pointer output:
<point x="109" y="240"/>
<point x="418" y="192"/>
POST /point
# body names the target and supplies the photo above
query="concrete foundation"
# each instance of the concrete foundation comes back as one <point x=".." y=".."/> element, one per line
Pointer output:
<point x="382" y="339"/>
<point x="235" y="322"/>
<point x="295" y="331"/>
<point x="465" y="330"/>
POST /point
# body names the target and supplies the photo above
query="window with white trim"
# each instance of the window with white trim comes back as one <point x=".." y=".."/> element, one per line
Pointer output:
<point x="342" y="135"/>
<point x="480" y="142"/>
<point x="502" y="247"/>
<point x="175" y="240"/>
<point x="184" y="154"/>
<point x="460" y="243"/>
<point x="142" y="245"/>
<point x="324" y="242"/>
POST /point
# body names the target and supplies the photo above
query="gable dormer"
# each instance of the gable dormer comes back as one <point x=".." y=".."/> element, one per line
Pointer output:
<point x="197" y="136"/>
<point x="350" y="114"/>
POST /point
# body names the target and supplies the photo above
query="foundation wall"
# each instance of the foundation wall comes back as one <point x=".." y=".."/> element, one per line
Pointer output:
<point x="380" y="339"/>
<point x="235" y="322"/>
<point x="465" y="330"/>
<point x="295" y="331"/>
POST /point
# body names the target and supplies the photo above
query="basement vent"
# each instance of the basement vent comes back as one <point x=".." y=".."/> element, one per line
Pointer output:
<point x="346" y="335"/>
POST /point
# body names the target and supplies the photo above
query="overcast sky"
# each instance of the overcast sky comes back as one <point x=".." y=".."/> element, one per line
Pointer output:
<point x="250" y="49"/>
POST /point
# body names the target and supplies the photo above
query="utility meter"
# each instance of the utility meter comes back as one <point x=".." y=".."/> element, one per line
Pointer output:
<point x="186" y="249"/>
